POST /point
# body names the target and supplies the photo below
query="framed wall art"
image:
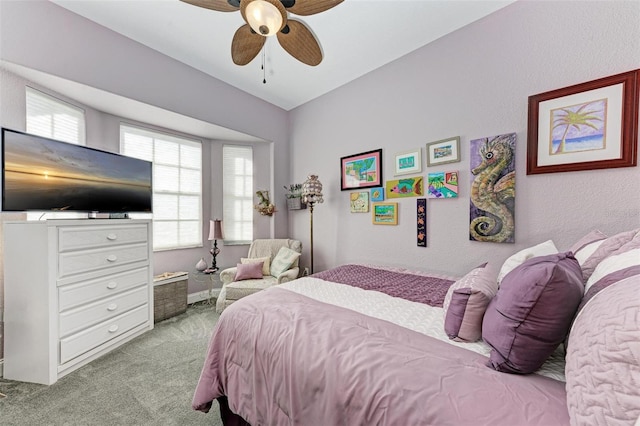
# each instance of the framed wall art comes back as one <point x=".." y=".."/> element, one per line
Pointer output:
<point x="409" y="162"/>
<point x="421" y="222"/>
<point x="362" y="170"/>
<point x="443" y="151"/>
<point x="442" y="185"/>
<point x="592" y="125"/>
<point x="492" y="162"/>
<point x="384" y="213"/>
<point x="377" y="194"/>
<point x="359" y="202"/>
<point x="407" y="187"/>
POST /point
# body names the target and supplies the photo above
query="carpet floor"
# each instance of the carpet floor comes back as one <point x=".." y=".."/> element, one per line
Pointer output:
<point x="148" y="381"/>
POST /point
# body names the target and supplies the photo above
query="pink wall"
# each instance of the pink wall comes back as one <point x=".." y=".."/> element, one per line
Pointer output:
<point x="472" y="83"/>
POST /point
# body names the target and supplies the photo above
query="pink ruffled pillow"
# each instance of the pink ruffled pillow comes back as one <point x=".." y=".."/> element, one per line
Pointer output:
<point x="248" y="271"/>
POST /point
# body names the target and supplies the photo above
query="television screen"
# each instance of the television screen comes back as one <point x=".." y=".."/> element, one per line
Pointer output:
<point x="43" y="174"/>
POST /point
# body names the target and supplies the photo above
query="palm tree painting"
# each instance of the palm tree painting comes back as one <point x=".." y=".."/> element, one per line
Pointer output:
<point x="580" y="127"/>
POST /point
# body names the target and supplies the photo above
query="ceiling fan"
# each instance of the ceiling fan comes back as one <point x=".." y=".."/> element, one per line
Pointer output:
<point x="265" y="18"/>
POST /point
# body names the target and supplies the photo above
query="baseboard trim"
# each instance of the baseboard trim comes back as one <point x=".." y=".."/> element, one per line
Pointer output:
<point x="203" y="295"/>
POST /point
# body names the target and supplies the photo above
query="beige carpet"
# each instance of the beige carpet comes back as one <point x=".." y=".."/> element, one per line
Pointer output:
<point x="148" y="381"/>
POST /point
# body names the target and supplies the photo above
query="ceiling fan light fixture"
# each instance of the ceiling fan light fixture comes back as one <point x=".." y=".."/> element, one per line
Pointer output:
<point x="264" y="17"/>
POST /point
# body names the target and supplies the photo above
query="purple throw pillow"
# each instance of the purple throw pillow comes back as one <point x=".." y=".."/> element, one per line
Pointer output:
<point x="466" y="301"/>
<point x="532" y="312"/>
<point x="248" y="271"/>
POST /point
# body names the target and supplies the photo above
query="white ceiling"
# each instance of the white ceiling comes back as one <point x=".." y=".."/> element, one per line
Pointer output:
<point x="356" y="37"/>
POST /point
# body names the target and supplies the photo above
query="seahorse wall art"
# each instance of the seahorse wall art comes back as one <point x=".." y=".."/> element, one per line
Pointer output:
<point x="493" y="185"/>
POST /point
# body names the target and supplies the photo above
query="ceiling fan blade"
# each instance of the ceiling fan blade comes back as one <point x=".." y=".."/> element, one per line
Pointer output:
<point x="217" y="5"/>
<point x="300" y="43"/>
<point x="310" y="7"/>
<point x="246" y="45"/>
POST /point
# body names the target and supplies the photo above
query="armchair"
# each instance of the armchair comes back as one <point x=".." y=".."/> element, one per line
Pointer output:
<point x="265" y="250"/>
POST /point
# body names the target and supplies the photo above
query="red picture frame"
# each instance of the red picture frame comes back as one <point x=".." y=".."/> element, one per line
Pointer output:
<point x="592" y="125"/>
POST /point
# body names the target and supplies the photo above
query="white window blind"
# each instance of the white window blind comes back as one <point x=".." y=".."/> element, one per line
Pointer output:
<point x="237" y="183"/>
<point x="53" y="118"/>
<point x="177" y="184"/>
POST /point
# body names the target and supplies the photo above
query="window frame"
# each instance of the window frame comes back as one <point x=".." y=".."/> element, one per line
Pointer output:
<point x="230" y="224"/>
<point x="60" y="105"/>
<point x="196" y="239"/>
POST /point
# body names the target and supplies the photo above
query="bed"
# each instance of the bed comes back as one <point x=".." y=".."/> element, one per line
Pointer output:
<point x="366" y="345"/>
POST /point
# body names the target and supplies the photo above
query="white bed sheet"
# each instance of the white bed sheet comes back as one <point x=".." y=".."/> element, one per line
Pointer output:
<point x="418" y="317"/>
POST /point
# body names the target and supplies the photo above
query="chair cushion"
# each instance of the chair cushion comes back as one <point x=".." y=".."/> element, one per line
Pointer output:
<point x="266" y="263"/>
<point x="283" y="261"/>
<point x="270" y="248"/>
<point x="239" y="289"/>
<point x="247" y="271"/>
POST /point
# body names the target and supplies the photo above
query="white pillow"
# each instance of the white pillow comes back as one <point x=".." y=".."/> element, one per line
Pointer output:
<point x="283" y="261"/>
<point x="520" y="257"/>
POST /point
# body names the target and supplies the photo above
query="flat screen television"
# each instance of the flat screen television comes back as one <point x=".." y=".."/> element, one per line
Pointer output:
<point x="42" y="174"/>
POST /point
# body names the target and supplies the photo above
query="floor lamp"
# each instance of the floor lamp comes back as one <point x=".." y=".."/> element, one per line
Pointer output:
<point x="311" y="195"/>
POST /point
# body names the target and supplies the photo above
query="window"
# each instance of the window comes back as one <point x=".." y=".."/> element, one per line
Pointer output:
<point x="177" y="184"/>
<point x="237" y="192"/>
<point x="53" y="118"/>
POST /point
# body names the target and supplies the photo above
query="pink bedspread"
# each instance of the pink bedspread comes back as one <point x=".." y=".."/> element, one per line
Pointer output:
<point x="282" y="358"/>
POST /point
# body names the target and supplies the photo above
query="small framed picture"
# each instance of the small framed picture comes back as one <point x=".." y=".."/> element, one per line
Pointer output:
<point x="442" y="185"/>
<point x="409" y="162"/>
<point x="359" y="202"/>
<point x="385" y="213"/>
<point x="377" y="194"/>
<point x="443" y="151"/>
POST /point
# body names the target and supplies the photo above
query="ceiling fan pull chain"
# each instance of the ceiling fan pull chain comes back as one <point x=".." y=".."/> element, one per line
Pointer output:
<point x="264" y="78"/>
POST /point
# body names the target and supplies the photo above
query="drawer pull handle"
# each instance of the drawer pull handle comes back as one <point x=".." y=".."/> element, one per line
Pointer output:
<point x="112" y="285"/>
<point x="112" y="258"/>
<point x="113" y="328"/>
<point x="112" y="237"/>
<point x="112" y="307"/>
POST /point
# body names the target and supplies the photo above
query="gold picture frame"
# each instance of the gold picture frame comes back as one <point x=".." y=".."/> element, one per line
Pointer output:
<point x="384" y="213"/>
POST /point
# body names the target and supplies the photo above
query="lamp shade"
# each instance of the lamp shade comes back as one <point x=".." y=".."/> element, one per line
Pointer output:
<point x="312" y="190"/>
<point x="215" y="230"/>
<point x="264" y="17"/>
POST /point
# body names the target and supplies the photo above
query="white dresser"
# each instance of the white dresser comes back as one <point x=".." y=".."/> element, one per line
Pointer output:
<point x="74" y="290"/>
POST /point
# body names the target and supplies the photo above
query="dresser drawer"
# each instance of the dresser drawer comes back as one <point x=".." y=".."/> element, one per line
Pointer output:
<point x="71" y="263"/>
<point x="77" y="319"/>
<point x="70" y="296"/>
<point x="77" y="344"/>
<point x="85" y="237"/>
